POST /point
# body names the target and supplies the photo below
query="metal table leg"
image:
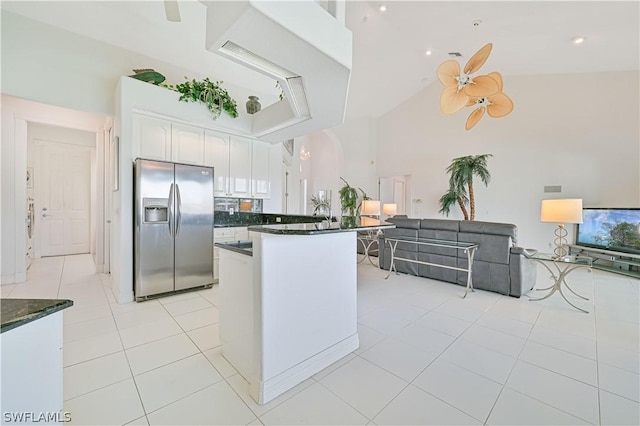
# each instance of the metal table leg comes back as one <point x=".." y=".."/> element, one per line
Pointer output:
<point x="392" y="266"/>
<point x="559" y="280"/>
<point x="470" y="254"/>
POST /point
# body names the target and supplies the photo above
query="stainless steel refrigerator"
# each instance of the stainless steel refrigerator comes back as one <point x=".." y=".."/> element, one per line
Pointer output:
<point x="173" y="227"/>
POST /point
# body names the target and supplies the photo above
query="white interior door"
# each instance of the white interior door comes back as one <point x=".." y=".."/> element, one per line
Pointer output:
<point x="63" y="188"/>
<point x="399" y="195"/>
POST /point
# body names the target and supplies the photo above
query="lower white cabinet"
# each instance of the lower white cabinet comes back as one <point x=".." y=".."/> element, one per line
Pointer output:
<point x="223" y="235"/>
<point x="32" y="378"/>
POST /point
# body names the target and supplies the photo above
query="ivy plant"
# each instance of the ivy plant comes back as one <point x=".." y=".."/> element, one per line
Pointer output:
<point x="208" y="92"/>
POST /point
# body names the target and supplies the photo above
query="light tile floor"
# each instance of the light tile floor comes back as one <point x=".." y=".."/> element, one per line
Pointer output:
<point x="426" y="356"/>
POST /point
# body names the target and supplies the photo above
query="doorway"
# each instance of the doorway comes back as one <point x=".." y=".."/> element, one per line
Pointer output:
<point x="395" y="189"/>
<point x="63" y="194"/>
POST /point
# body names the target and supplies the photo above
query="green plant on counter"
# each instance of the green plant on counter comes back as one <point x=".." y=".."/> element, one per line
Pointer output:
<point x="348" y="199"/>
<point x="208" y="92"/>
<point x="461" y="171"/>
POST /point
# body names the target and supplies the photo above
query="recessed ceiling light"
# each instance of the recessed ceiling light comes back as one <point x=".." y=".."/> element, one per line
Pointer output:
<point x="383" y="8"/>
<point x="428" y="52"/>
<point x="578" y="40"/>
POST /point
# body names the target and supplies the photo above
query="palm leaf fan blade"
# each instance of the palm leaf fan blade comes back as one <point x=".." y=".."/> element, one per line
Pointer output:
<point x="448" y="71"/>
<point x="501" y="105"/>
<point x="498" y="78"/>
<point x="478" y="59"/>
<point x="474" y="117"/>
<point x="482" y="86"/>
<point x="452" y="100"/>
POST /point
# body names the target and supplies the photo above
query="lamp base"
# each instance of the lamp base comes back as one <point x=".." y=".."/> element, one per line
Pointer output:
<point x="562" y="249"/>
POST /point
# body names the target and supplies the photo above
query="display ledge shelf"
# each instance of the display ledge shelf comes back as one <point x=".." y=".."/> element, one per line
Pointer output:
<point x="612" y="268"/>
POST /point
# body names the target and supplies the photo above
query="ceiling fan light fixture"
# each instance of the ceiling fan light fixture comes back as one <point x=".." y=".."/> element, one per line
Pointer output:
<point x="578" y="40"/>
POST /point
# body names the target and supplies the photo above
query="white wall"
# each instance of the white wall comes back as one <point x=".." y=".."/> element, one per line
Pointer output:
<point x="580" y="131"/>
<point x="346" y="151"/>
<point x="17" y="114"/>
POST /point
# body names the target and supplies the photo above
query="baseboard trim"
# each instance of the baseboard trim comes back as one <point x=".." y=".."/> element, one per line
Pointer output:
<point x="265" y="391"/>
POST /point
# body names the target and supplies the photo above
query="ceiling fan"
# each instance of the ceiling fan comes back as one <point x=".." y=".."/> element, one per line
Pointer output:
<point x="172" y="10"/>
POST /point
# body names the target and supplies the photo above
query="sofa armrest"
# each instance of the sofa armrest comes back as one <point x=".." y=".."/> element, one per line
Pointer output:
<point x="523" y="251"/>
<point x="522" y="271"/>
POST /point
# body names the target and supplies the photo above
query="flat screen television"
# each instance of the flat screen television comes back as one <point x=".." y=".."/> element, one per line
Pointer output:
<point x="610" y="229"/>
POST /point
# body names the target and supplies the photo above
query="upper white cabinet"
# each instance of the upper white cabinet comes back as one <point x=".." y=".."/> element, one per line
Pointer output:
<point x="239" y="167"/>
<point x="151" y="138"/>
<point x="260" y="182"/>
<point x="159" y="139"/>
<point x="216" y="155"/>
<point x="187" y="144"/>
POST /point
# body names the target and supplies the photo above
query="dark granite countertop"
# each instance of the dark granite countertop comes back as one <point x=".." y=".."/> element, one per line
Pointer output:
<point x="348" y="225"/>
<point x="17" y="312"/>
<point x="243" y="247"/>
<point x="222" y="219"/>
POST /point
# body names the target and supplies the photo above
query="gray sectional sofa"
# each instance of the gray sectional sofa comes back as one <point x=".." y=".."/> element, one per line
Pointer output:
<point x="499" y="265"/>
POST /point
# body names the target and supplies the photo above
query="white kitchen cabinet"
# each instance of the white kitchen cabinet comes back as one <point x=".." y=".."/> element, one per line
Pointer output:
<point x="151" y="138"/>
<point x="260" y="178"/>
<point x="216" y="155"/>
<point x="239" y="167"/>
<point x="222" y="235"/>
<point x="187" y="144"/>
<point x="163" y="140"/>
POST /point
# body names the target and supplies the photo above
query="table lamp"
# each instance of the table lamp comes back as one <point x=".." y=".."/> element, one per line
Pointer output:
<point x="370" y="208"/>
<point x="370" y="213"/>
<point x="389" y="209"/>
<point x="561" y="211"/>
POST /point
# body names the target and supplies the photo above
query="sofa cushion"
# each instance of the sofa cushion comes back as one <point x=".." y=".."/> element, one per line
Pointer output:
<point x="411" y="234"/>
<point x="435" y="272"/>
<point x="440" y="224"/>
<point x="492" y="228"/>
<point x="492" y="248"/>
<point x="486" y="276"/>
<point x="434" y="234"/>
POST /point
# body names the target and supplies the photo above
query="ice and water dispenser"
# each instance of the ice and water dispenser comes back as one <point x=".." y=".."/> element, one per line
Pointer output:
<point x="156" y="210"/>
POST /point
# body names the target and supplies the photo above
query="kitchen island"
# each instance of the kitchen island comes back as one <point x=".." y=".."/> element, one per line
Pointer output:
<point x="31" y="353"/>
<point x="288" y="302"/>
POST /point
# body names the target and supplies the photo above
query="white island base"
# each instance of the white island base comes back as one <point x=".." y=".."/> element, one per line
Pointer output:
<point x="290" y="310"/>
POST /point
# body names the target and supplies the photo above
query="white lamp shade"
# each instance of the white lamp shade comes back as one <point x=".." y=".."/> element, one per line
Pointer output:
<point x="389" y="208"/>
<point x="370" y="208"/>
<point x="561" y="210"/>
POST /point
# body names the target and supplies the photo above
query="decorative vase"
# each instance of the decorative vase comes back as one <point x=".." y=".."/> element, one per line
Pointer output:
<point x="324" y="209"/>
<point x="253" y="105"/>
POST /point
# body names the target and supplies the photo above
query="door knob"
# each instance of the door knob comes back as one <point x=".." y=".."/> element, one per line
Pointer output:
<point x="44" y="209"/>
<point x="45" y="215"/>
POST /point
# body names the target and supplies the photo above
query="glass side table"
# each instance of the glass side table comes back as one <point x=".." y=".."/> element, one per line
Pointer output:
<point x="563" y="265"/>
<point x="369" y="241"/>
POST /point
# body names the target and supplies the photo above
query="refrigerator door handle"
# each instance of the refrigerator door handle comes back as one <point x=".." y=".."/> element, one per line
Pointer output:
<point x="179" y="211"/>
<point x="170" y="221"/>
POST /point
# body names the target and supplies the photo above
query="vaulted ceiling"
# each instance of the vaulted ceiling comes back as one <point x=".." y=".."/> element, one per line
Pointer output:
<point x="389" y="60"/>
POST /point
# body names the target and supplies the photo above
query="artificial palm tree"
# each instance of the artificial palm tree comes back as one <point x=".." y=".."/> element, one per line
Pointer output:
<point x="461" y="171"/>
